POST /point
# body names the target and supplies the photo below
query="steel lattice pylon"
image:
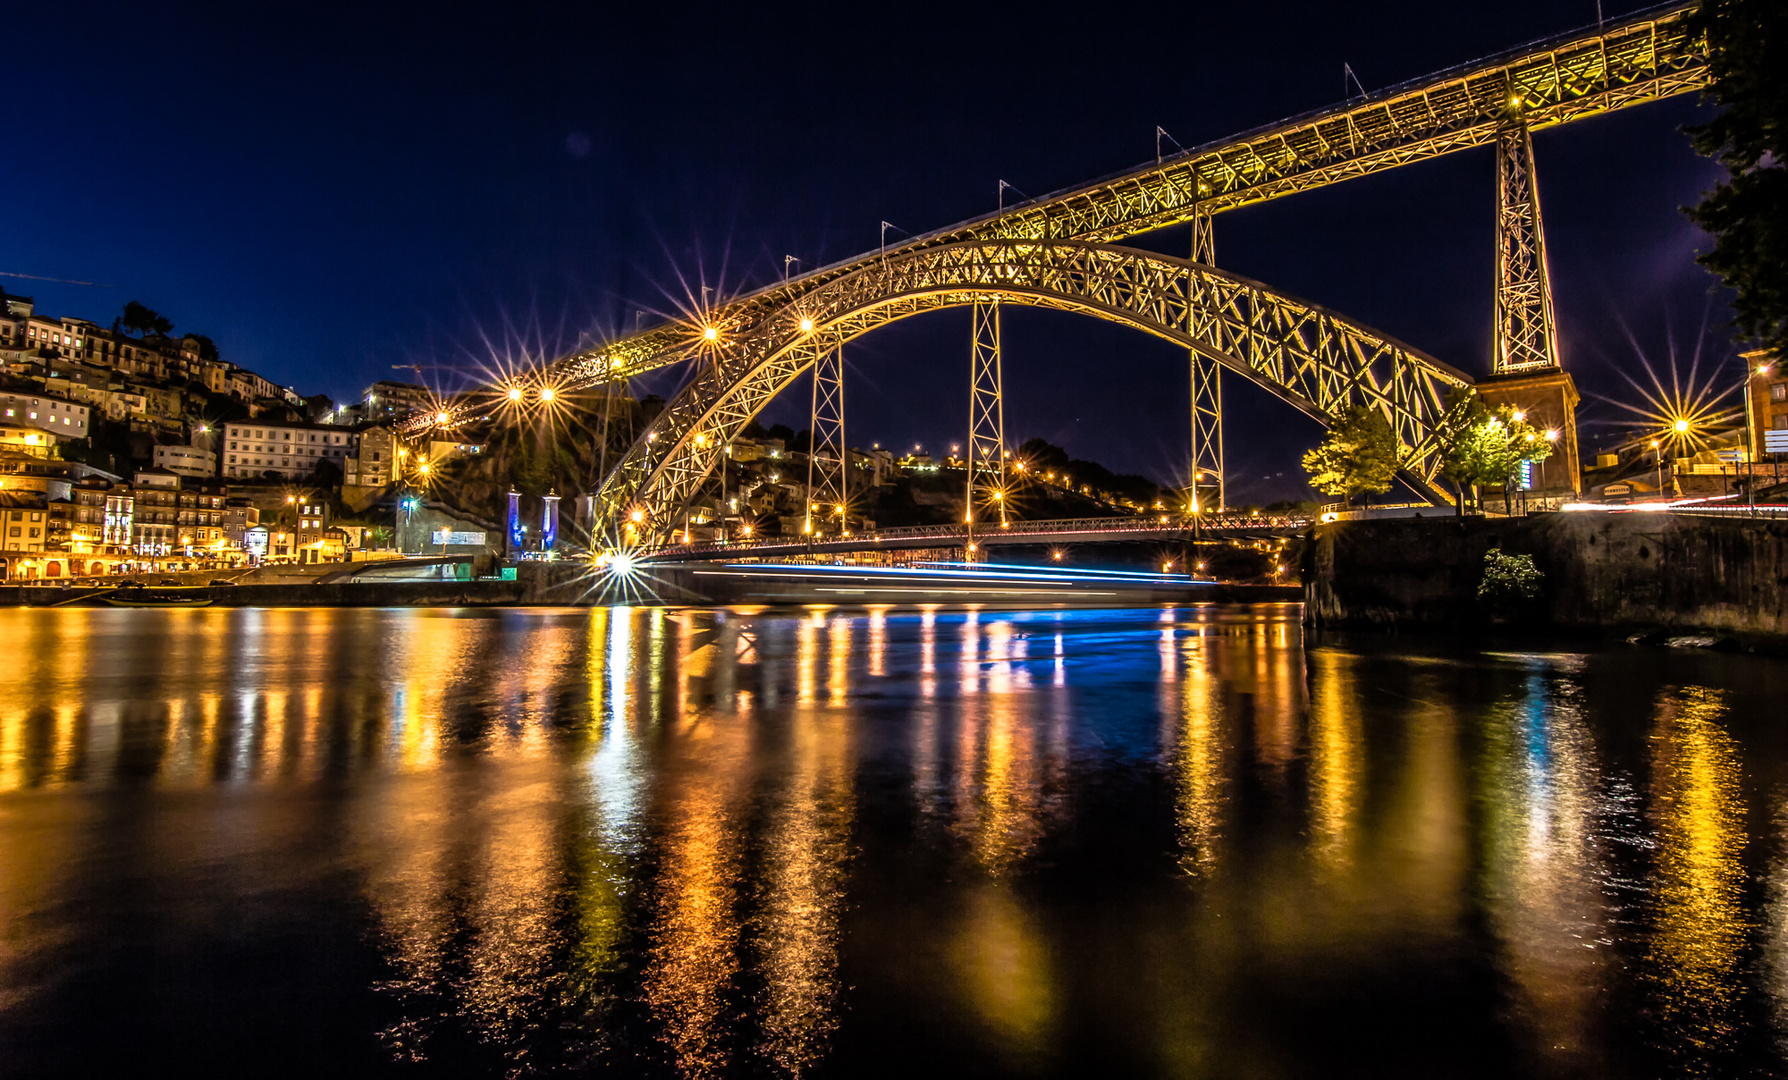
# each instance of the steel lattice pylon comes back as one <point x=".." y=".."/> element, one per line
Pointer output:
<point x="1207" y="392"/>
<point x="1525" y="337"/>
<point x="986" y="457"/>
<point x="828" y="458"/>
<point x="1309" y="356"/>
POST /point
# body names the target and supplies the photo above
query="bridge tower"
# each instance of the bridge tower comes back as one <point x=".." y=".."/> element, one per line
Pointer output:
<point x="986" y="458"/>
<point x="828" y="459"/>
<point x="1207" y="393"/>
<point x="1524" y="364"/>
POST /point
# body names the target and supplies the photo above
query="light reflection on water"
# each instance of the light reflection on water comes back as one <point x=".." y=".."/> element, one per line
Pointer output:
<point x="716" y="842"/>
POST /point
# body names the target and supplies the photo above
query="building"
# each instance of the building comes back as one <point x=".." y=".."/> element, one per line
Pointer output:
<point x="285" y="451"/>
<point x="29" y="440"/>
<point x="1766" y="405"/>
<point x="67" y="419"/>
<point x="371" y="464"/>
<point x="24" y="517"/>
<point x="190" y="461"/>
<point x="239" y="516"/>
<point x="313" y="527"/>
<point x="155" y="526"/>
<point x="387" y="399"/>
<point x="201" y="519"/>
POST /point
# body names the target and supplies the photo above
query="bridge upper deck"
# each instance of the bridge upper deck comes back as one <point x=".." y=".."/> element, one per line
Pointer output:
<point x="1646" y="56"/>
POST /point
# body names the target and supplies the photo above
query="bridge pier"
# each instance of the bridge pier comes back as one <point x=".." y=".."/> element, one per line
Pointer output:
<point x="1526" y="371"/>
<point x="828" y="458"/>
<point x="1207" y="394"/>
<point x="985" y="461"/>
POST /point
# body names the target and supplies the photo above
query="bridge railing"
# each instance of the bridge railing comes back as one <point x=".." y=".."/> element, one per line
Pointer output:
<point x="1060" y="528"/>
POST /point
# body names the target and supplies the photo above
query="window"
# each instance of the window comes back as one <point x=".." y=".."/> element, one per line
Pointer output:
<point x="1777" y="392"/>
<point x="14" y="532"/>
<point x="1781" y="422"/>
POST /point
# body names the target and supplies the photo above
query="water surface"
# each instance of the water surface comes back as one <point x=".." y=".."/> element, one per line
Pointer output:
<point x="692" y="842"/>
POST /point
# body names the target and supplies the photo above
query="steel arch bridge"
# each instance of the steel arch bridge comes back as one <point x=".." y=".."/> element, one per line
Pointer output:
<point x="1309" y="356"/>
<point x="1054" y="252"/>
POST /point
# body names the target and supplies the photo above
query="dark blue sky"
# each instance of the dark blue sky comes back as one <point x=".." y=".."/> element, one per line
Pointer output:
<point x="331" y="192"/>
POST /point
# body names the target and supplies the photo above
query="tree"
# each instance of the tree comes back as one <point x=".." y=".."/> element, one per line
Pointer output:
<point x="143" y="320"/>
<point x="1748" y="213"/>
<point x="1358" y="455"/>
<point x="207" y="347"/>
<point x="1484" y="447"/>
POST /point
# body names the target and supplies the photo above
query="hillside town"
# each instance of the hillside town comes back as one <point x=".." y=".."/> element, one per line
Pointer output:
<point x="128" y="448"/>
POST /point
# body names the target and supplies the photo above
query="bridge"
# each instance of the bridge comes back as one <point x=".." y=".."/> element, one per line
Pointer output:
<point x="1064" y="251"/>
<point x="1168" y="528"/>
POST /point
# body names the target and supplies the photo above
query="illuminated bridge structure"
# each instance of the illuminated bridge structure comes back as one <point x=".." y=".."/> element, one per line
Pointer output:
<point x="1064" y="251"/>
<point x="1163" y="528"/>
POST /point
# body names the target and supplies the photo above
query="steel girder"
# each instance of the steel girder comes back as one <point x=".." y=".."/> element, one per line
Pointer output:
<point x="1311" y="357"/>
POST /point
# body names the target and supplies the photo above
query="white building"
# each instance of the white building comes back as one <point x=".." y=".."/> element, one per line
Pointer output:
<point x="66" y="418"/>
<point x="186" y="461"/>
<point x="252" y="448"/>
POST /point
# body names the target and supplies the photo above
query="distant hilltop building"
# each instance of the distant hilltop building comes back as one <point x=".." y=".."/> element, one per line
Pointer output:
<point x="386" y="399"/>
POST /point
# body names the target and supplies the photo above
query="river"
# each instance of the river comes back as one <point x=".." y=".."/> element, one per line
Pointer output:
<point x="704" y="842"/>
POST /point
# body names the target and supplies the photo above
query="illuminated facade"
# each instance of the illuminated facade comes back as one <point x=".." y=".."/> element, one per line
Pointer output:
<point x="257" y="449"/>
<point x="1766" y="406"/>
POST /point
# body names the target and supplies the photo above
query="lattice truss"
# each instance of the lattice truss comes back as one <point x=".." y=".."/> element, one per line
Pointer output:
<point x="1645" y="57"/>
<point x="987" y="416"/>
<point x="1526" y="337"/>
<point x="1207" y="395"/>
<point x="1311" y="357"/>
<point x="828" y="457"/>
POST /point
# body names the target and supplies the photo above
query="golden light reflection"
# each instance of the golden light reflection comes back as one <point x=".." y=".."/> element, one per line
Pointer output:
<point x="999" y="777"/>
<point x="1004" y="967"/>
<point x="1701" y="923"/>
<point x="807" y="848"/>
<point x="695" y="928"/>
<point x="1337" y="757"/>
<point x="1197" y="750"/>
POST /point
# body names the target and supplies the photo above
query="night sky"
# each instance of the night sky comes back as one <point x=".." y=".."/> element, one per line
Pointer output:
<point x="331" y="192"/>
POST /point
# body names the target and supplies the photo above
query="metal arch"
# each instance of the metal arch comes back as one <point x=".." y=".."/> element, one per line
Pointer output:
<point x="1647" y="56"/>
<point x="1310" y="356"/>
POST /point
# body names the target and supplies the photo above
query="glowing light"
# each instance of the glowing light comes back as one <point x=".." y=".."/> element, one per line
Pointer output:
<point x="1520" y="414"/>
<point x="1166" y="566"/>
<point x="1551" y="434"/>
<point x="622" y="563"/>
<point x="443" y="417"/>
<point x="1681" y="426"/>
<point x="806" y="326"/>
<point x="638" y="515"/>
<point x="710" y="334"/>
<point x="515" y="393"/>
<point x="547" y="393"/>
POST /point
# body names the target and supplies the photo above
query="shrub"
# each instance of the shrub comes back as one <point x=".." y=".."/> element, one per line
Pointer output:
<point x="1509" y="580"/>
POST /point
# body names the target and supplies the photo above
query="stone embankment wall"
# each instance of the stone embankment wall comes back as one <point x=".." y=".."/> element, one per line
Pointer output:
<point x="1624" y="572"/>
